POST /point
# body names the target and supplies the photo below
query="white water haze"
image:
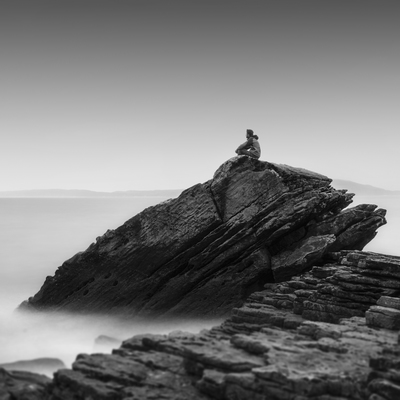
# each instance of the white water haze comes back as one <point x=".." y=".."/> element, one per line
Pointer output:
<point x="39" y="234"/>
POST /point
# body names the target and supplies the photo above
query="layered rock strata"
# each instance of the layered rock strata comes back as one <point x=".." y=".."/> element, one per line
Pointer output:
<point x="350" y="283"/>
<point x="204" y="252"/>
<point x="261" y="352"/>
<point x="384" y="378"/>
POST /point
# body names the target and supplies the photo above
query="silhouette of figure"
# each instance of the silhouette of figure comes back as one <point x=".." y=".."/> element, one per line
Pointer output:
<point x="250" y="147"/>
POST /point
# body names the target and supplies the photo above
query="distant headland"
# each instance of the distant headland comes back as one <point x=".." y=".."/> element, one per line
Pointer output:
<point x="54" y="193"/>
<point x="363" y="190"/>
<point x="354" y="187"/>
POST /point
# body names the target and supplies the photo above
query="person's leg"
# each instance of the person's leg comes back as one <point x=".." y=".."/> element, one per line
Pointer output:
<point x="246" y="153"/>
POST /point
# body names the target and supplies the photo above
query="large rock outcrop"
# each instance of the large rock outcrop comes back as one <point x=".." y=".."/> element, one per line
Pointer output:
<point x="206" y="251"/>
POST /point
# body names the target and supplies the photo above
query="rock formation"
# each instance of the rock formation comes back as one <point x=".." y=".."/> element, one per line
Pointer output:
<point x="204" y="252"/>
<point x="311" y="315"/>
<point x="267" y="349"/>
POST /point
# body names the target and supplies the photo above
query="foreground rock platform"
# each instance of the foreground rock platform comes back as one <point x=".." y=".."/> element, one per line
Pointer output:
<point x="261" y="352"/>
<point x="310" y="360"/>
<point x="310" y="337"/>
<point x="204" y="252"/>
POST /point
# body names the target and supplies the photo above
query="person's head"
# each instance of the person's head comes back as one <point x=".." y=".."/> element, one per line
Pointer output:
<point x="249" y="133"/>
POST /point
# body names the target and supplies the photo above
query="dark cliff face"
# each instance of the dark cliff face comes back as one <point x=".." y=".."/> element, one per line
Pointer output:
<point x="204" y="252"/>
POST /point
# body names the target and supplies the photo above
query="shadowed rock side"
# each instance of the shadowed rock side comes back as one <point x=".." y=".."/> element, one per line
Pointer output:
<point x="204" y="252"/>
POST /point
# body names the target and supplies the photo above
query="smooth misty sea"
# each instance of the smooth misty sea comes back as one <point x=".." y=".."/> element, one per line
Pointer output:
<point x="38" y="234"/>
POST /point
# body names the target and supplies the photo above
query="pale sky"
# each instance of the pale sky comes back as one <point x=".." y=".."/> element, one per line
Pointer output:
<point x="157" y="94"/>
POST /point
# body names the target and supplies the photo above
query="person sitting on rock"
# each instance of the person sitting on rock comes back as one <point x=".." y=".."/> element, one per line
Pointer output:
<point x="251" y="147"/>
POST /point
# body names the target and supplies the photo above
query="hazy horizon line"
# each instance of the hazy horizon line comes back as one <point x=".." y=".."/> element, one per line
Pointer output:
<point x="56" y="192"/>
<point x="88" y="193"/>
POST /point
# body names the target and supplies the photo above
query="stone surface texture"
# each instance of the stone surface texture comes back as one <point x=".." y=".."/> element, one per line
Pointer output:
<point x="273" y="245"/>
<point x="261" y="352"/>
<point x="204" y="252"/>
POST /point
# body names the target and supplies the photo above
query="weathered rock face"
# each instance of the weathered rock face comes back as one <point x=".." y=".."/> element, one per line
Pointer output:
<point x="348" y="284"/>
<point x="266" y="349"/>
<point x="261" y="352"/>
<point x="204" y="252"/>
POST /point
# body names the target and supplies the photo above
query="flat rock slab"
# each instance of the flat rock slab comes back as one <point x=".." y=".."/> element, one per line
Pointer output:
<point x="383" y="317"/>
<point x="390" y="302"/>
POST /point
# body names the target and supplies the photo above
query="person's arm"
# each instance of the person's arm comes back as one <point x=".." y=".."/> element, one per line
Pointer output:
<point x="245" y="145"/>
